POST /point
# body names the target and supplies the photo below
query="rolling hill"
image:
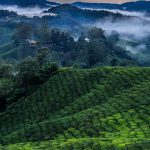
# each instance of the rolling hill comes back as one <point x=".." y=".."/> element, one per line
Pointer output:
<point x="76" y="19"/>
<point x="66" y="10"/>
<point x="129" y="6"/>
<point x="94" y="109"/>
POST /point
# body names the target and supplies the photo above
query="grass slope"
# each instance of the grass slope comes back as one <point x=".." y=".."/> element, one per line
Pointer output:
<point x="94" y="109"/>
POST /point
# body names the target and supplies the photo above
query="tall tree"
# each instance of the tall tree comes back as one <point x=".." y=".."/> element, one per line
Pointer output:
<point x="23" y="32"/>
<point x="28" y="72"/>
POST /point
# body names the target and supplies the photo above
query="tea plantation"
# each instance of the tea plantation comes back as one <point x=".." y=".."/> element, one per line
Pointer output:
<point x="105" y="108"/>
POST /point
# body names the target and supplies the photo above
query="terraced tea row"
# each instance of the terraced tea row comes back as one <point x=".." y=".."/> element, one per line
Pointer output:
<point x="102" y="108"/>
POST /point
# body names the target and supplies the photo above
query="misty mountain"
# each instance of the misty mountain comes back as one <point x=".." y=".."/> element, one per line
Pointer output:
<point x="129" y="6"/>
<point x="76" y="20"/>
<point x="95" y="5"/>
<point x="28" y="3"/>
<point x="137" y="6"/>
<point x="68" y="10"/>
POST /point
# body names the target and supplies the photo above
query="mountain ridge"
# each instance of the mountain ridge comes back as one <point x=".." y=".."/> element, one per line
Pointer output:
<point x="128" y="6"/>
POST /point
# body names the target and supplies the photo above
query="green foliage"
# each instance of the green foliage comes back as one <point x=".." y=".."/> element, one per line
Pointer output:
<point x="97" y="52"/>
<point x="24" y="79"/>
<point x="28" y="72"/>
<point x="42" y="56"/>
<point x="92" y="48"/>
<point x="48" y="70"/>
<point x="101" y="108"/>
<point x="43" y="33"/>
<point x="23" y="32"/>
<point x="76" y="66"/>
<point x="6" y="90"/>
<point x="6" y="70"/>
<point x="96" y="34"/>
<point x="114" y="62"/>
<point x="58" y="41"/>
<point x="95" y="49"/>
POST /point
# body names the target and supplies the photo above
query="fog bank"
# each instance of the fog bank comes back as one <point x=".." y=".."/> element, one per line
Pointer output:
<point x="29" y="11"/>
<point x="133" y="28"/>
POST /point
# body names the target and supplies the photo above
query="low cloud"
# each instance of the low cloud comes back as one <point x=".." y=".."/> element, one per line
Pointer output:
<point x="134" y="33"/>
<point x="29" y="11"/>
<point x="132" y="28"/>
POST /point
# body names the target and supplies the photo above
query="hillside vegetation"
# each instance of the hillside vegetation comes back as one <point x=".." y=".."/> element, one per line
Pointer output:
<point x="101" y="108"/>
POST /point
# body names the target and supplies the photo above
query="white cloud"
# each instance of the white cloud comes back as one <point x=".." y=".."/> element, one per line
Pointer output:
<point x="132" y="28"/>
<point x="29" y="11"/>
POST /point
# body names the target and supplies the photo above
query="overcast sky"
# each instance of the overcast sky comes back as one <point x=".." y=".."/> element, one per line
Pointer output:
<point x="94" y="1"/>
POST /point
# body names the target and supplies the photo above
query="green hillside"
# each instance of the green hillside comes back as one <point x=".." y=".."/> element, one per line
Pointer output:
<point x="92" y="109"/>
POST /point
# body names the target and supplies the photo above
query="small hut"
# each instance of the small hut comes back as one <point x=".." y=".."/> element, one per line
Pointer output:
<point x="31" y="43"/>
